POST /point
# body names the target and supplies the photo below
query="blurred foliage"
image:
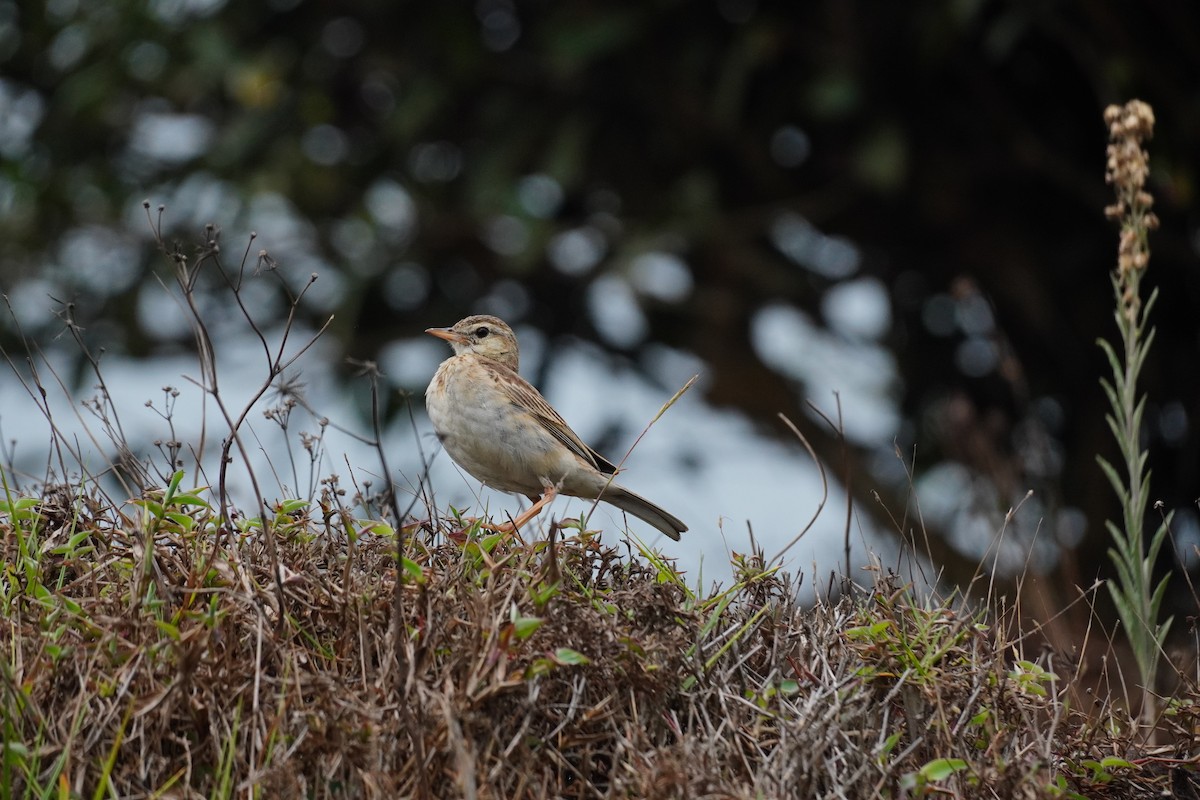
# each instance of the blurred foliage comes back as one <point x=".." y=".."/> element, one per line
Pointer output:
<point x="428" y="159"/>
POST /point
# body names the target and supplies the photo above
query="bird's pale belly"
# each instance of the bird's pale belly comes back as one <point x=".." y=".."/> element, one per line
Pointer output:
<point x="500" y="447"/>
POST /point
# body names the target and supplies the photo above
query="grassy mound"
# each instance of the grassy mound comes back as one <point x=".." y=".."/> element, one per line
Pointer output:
<point x="151" y="652"/>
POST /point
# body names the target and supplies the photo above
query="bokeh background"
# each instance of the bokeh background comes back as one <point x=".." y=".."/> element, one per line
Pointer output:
<point x="892" y="211"/>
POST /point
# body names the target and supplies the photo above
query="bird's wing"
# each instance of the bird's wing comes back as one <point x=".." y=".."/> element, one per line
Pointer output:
<point x="522" y="394"/>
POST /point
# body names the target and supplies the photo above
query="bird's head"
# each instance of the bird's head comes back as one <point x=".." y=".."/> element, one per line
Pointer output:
<point x="482" y="335"/>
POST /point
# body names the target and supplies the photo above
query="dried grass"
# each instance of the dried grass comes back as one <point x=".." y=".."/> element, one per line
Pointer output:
<point x="187" y="679"/>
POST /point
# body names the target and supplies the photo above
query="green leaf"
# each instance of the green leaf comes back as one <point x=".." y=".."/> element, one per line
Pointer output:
<point x="1110" y="472"/>
<point x="1157" y="598"/>
<point x="1146" y="345"/>
<point x="1111" y="393"/>
<point x="538" y="667"/>
<point x="1124" y="611"/>
<point x="16" y="748"/>
<point x="1163" y="629"/>
<point x="153" y="506"/>
<point x="1118" y="538"/>
<point x="72" y="546"/>
<point x="184" y="521"/>
<point x="941" y="768"/>
<point x="190" y="499"/>
<point x="1150" y="301"/>
<point x="1139" y="411"/>
<point x="168" y="629"/>
<point x="542" y="593"/>
<point x="411" y="571"/>
<point x="176" y="479"/>
<point x="869" y="632"/>
<point x="568" y="657"/>
<point x="889" y="744"/>
<point x="1125" y="565"/>
<point x="1113" y="361"/>
<point x="71" y="606"/>
<point x="21" y="509"/>
<point x="524" y="627"/>
<point x="292" y="506"/>
<point x="78" y="537"/>
<point x="1156" y="542"/>
<point x="377" y="527"/>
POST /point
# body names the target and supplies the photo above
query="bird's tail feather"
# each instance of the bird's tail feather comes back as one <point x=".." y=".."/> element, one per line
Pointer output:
<point x="644" y="510"/>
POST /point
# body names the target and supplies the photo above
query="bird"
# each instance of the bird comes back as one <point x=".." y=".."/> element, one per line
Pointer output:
<point x="498" y="427"/>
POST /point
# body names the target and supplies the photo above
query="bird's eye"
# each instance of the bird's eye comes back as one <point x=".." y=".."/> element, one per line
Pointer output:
<point x="481" y="332"/>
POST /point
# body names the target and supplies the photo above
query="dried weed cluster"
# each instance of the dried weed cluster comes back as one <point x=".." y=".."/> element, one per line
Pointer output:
<point x="1126" y="170"/>
<point x="147" y="655"/>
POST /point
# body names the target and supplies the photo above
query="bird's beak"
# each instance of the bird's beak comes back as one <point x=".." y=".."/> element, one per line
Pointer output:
<point x="447" y="334"/>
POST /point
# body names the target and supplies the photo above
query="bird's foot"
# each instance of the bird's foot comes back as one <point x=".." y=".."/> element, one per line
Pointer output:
<point x="548" y="495"/>
<point x="512" y="526"/>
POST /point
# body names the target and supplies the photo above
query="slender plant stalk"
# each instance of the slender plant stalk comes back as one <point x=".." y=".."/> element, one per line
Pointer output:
<point x="1137" y="599"/>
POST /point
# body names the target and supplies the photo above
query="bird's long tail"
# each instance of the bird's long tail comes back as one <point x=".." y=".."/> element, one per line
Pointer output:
<point x="644" y="510"/>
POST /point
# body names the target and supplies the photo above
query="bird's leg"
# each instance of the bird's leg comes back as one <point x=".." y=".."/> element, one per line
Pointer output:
<point x="549" y="492"/>
<point x="548" y="495"/>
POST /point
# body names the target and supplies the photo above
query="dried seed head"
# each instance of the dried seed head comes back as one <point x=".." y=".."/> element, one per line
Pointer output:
<point x="1127" y="168"/>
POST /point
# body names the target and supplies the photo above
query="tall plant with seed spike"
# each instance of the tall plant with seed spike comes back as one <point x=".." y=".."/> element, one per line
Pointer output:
<point x="1136" y="597"/>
